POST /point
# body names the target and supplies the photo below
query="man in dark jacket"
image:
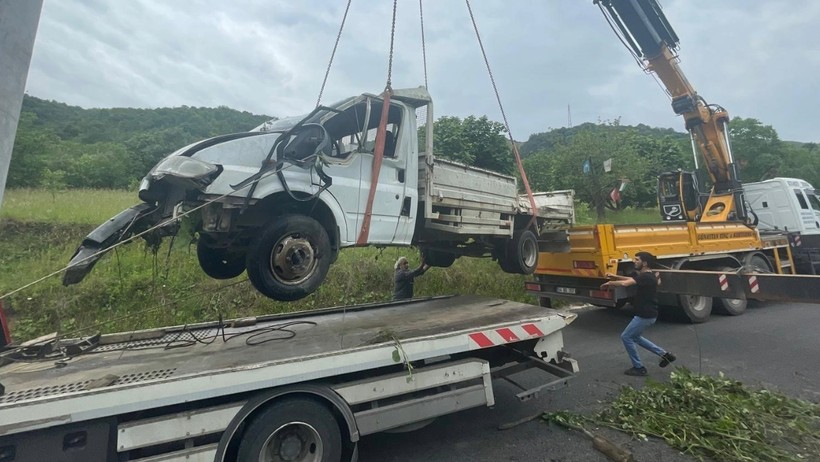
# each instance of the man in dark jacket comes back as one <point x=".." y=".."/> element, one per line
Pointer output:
<point x="404" y="278"/>
<point x="645" y="303"/>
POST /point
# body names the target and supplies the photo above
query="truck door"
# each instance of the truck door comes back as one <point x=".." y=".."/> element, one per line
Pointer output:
<point x="392" y="213"/>
<point x="808" y="217"/>
<point x="350" y="165"/>
<point x="814" y="205"/>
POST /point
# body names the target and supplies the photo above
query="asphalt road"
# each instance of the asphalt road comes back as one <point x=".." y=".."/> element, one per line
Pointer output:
<point x="776" y="346"/>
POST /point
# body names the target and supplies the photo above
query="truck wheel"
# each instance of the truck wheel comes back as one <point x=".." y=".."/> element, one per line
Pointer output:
<point x="696" y="307"/>
<point x="730" y="306"/>
<point x="756" y="263"/>
<point x="218" y="262"/>
<point x="521" y="253"/>
<point x="294" y="430"/>
<point x="290" y="258"/>
<point x="438" y="258"/>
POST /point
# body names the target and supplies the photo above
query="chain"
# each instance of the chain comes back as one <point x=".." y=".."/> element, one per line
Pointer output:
<point x="392" y="39"/>
<point x="504" y="116"/>
<point x="423" y="47"/>
<point x="333" y="54"/>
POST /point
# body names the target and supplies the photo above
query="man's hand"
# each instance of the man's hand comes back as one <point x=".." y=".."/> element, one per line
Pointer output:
<point x="611" y="275"/>
<point x="606" y="285"/>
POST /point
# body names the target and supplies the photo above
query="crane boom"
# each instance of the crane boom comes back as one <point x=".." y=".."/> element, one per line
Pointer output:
<point x="644" y="28"/>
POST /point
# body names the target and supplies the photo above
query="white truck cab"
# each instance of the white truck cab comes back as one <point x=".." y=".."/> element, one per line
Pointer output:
<point x="791" y="205"/>
<point x="785" y="204"/>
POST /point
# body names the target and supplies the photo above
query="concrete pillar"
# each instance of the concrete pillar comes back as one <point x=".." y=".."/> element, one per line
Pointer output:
<point x="18" y="26"/>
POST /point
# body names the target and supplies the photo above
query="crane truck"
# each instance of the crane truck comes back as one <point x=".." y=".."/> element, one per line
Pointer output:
<point x="705" y="240"/>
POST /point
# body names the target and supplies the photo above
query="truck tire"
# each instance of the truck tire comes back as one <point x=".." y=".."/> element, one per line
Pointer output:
<point x="520" y="253"/>
<point x="696" y="307"/>
<point x="218" y="262"/>
<point x="295" y="429"/>
<point x="730" y="306"/>
<point x="756" y="263"/>
<point x="438" y="258"/>
<point x="290" y="258"/>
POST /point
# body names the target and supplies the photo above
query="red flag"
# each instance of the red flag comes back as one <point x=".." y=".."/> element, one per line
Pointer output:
<point x="615" y="195"/>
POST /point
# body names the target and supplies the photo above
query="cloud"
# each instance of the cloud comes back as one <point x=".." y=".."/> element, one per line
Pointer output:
<point x="758" y="60"/>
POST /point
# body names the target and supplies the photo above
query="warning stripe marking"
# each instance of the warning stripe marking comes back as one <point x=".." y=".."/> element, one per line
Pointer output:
<point x="481" y="340"/>
<point x="724" y="282"/>
<point x="505" y="335"/>
<point x="533" y="330"/>
<point x="753" y="286"/>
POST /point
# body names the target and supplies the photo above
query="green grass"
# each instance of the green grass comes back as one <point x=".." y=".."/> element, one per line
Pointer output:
<point x="131" y="288"/>
<point x="629" y="215"/>
<point x="78" y="206"/>
<point x="712" y="417"/>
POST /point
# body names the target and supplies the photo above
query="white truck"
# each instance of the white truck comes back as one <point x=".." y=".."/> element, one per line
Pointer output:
<point x="281" y="200"/>
<point x="789" y="205"/>
<point x="295" y="387"/>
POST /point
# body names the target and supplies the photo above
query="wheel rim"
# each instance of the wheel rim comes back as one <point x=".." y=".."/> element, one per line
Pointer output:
<point x="293" y="442"/>
<point x="697" y="303"/>
<point x="529" y="252"/>
<point x="733" y="303"/>
<point x="759" y="265"/>
<point x="293" y="259"/>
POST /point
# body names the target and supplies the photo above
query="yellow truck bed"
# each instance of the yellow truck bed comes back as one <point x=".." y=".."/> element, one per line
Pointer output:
<point x="596" y="250"/>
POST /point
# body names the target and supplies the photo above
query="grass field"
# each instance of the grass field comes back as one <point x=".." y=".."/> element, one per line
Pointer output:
<point x="132" y="288"/>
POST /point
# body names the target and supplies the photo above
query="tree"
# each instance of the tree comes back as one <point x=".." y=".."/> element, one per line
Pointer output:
<point x="757" y="149"/>
<point x="636" y="160"/>
<point x="475" y="141"/>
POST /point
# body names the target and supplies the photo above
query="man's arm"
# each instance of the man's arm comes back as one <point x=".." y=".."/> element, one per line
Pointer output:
<point x="618" y="281"/>
<point x="617" y="277"/>
<point x="421" y="269"/>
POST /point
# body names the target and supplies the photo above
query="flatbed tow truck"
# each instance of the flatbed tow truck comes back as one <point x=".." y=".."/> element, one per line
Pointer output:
<point x="298" y="387"/>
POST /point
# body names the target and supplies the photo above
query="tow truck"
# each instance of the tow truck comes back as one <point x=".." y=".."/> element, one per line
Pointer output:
<point x="297" y="387"/>
<point x="708" y="244"/>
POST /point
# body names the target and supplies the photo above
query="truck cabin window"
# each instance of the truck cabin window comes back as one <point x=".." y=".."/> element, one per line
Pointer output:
<point x="801" y="199"/>
<point x="354" y="132"/>
<point x="813" y="201"/>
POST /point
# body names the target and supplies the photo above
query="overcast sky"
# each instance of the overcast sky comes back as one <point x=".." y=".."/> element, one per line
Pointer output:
<point x="758" y="59"/>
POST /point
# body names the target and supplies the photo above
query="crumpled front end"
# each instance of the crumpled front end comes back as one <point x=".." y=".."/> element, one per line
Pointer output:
<point x="121" y="227"/>
<point x="163" y="189"/>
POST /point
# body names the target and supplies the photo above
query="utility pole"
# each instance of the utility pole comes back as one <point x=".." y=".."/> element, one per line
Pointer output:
<point x="569" y="117"/>
<point x="18" y="23"/>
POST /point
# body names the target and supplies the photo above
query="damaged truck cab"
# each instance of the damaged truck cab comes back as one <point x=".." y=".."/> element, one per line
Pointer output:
<point x="281" y="200"/>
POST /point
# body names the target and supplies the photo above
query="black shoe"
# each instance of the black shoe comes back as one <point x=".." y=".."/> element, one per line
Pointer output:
<point x="637" y="371"/>
<point x="666" y="359"/>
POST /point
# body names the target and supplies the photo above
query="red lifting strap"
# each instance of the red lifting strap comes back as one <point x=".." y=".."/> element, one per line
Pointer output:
<point x="378" y="155"/>
<point x="5" y="333"/>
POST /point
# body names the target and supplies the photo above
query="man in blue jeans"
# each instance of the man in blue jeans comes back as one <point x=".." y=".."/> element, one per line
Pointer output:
<point x="645" y="303"/>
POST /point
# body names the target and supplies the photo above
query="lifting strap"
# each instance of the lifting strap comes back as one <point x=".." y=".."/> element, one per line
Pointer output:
<point x="507" y="125"/>
<point x="381" y="131"/>
<point x="5" y="332"/>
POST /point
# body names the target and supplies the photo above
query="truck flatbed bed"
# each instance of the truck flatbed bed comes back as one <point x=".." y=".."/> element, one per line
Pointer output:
<point x="127" y="372"/>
